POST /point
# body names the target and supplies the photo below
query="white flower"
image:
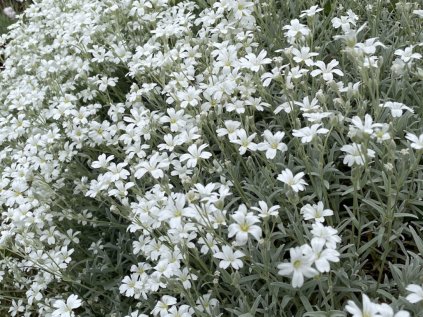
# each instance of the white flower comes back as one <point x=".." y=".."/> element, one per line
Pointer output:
<point x="129" y="285"/>
<point x="381" y="133"/>
<point x="208" y="243"/>
<point x="245" y="141"/>
<point x="345" y="21"/>
<point x="359" y="128"/>
<point x="272" y="143"/>
<point x="121" y="189"/>
<point x="102" y="161"/>
<point x="117" y="171"/>
<point x="386" y="311"/>
<point x="342" y="22"/>
<point x="64" y="309"/>
<point x="351" y="89"/>
<point x="417" y="141"/>
<point x="257" y="104"/>
<point x="310" y="12"/>
<point x="296" y="73"/>
<point x="96" y="186"/>
<point x="368" y="47"/>
<point x="185" y="276"/>
<point x="315" y="212"/>
<point x="154" y="166"/>
<point x="368" y="309"/>
<point x="303" y="55"/>
<point x="419" y="13"/>
<point x="396" y="108"/>
<point x="296" y="183"/>
<point x="355" y="154"/>
<point x="242" y="8"/>
<point x="416" y="293"/>
<point x="15" y="194"/>
<point x="264" y="211"/>
<point x="295" y="30"/>
<point x="190" y="96"/>
<point x="205" y="303"/>
<point x="231" y="128"/>
<point x="177" y="119"/>
<point x="175" y="211"/>
<point x="326" y="71"/>
<point x="194" y="154"/>
<point x="268" y="77"/>
<point x="308" y="133"/>
<point x="105" y="81"/>
<point x="329" y="234"/>
<point x="16" y="308"/>
<point x="229" y="258"/>
<point x="299" y="267"/>
<point x="237" y="105"/>
<point x="308" y="106"/>
<point x="182" y="311"/>
<point x="170" y="142"/>
<point x="245" y="224"/>
<point x="317" y="116"/>
<point x="253" y="62"/>
<point x="398" y="67"/>
<point x="407" y="55"/>
<point x="136" y="313"/>
<point x="286" y="106"/>
<point x="321" y="257"/>
<point x="162" y="306"/>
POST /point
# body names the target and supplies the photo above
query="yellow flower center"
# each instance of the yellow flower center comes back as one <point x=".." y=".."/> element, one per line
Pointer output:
<point x="244" y="227"/>
<point x="297" y="264"/>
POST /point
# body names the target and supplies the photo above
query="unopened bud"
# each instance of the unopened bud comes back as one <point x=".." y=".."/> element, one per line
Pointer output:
<point x="9" y="12"/>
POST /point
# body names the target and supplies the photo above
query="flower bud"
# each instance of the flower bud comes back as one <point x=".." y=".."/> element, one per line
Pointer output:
<point x="9" y="12"/>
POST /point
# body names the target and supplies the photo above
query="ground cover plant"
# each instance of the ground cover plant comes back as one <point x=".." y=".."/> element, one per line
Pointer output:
<point x="212" y="158"/>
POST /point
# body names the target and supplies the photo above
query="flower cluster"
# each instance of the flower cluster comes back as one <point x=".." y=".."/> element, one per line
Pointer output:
<point x="320" y="251"/>
<point x="177" y="158"/>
